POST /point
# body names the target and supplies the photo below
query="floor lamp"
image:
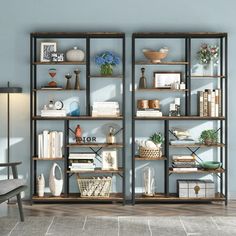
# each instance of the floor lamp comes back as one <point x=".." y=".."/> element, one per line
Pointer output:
<point x="7" y="90"/>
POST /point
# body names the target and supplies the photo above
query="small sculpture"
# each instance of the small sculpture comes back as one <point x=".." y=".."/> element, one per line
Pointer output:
<point x="55" y="184"/>
<point x="78" y="134"/>
<point x="77" y="83"/>
<point x="111" y="139"/>
<point x="68" y="83"/>
<point x="52" y="72"/>
<point x="40" y="185"/>
<point x="142" y="80"/>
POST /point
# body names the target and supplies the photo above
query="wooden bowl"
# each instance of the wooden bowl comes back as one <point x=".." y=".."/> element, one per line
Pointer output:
<point x="154" y="56"/>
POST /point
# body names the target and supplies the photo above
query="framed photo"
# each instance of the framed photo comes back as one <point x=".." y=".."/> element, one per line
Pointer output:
<point x="46" y="49"/>
<point x="109" y="160"/>
<point x="166" y="79"/>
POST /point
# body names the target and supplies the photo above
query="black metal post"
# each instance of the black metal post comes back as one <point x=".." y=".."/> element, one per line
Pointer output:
<point x="88" y="75"/>
<point x="226" y="119"/>
<point x="189" y="78"/>
<point x="8" y="131"/>
<point x="31" y="122"/>
<point x="167" y="157"/>
<point x="66" y="156"/>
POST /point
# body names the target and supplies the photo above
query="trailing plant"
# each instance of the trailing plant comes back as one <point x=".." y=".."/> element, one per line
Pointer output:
<point x="157" y="138"/>
<point x="209" y="136"/>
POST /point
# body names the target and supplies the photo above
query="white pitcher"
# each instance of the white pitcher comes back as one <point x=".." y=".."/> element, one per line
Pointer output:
<point x="40" y="185"/>
<point x="55" y="184"/>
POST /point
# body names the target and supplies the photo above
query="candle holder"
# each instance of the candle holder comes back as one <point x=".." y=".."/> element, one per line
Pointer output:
<point x="68" y="83"/>
<point x="77" y="83"/>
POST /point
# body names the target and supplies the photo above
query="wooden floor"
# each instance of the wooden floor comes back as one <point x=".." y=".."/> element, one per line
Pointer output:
<point x="216" y="209"/>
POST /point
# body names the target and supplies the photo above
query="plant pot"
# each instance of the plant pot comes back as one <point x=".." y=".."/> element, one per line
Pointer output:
<point x="209" y="142"/>
<point x="106" y="70"/>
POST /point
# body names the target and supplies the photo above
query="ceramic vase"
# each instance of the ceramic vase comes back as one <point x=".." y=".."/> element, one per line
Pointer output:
<point x="106" y="70"/>
<point x="40" y="185"/>
<point x="55" y="184"/>
<point x="75" y="54"/>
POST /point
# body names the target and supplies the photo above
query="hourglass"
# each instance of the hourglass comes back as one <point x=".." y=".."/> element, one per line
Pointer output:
<point x="52" y="73"/>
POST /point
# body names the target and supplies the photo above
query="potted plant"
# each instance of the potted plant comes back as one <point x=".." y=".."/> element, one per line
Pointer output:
<point x="209" y="136"/>
<point x="106" y="60"/>
<point x="157" y="138"/>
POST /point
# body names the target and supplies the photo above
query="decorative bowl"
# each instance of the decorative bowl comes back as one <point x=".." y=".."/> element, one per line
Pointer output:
<point x="154" y="56"/>
<point x="211" y="164"/>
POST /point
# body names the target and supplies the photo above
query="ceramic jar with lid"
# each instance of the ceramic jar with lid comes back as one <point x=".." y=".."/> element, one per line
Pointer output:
<point x="75" y="54"/>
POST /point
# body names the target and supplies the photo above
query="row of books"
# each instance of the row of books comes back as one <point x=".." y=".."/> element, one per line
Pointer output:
<point x="184" y="163"/>
<point x="149" y="113"/>
<point x="209" y="103"/>
<point x="106" y="109"/>
<point x="82" y="161"/>
<point x="50" y="144"/>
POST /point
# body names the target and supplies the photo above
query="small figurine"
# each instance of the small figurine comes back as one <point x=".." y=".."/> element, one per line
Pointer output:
<point x="78" y="134"/>
<point x="142" y="80"/>
<point x="111" y="139"/>
<point x="77" y="83"/>
<point x="68" y="83"/>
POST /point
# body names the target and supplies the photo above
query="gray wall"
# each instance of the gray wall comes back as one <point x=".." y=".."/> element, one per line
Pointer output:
<point x="19" y="18"/>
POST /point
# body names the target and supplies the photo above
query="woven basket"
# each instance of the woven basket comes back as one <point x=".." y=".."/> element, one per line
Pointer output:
<point x="92" y="187"/>
<point x="150" y="152"/>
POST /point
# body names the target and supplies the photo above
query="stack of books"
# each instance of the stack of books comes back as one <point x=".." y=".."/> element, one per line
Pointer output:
<point x="106" y="109"/>
<point x="209" y="103"/>
<point x="184" y="163"/>
<point x="149" y="113"/>
<point x="81" y="161"/>
<point x="50" y="144"/>
<point x="54" y="113"/>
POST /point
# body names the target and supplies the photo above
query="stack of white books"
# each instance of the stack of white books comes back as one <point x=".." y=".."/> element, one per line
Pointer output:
<point x="106" y="109"/>
<point x="50" y="144"/>
<point x="56" y="113"/>
<point x="82" y="161"/>
<point x="149" y="113"/>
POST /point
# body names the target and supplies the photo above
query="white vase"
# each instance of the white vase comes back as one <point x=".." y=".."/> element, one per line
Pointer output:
<point x="75" y="54"/>
<point x="55" y="184"/>
<point x="214" y="69"/>
<point x="40" y="185"/>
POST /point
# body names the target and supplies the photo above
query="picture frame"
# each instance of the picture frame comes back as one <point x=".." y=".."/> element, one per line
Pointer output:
<point x="109" y="160"/>
<point x="46" y="48"/>
<point x="166" y="79"/>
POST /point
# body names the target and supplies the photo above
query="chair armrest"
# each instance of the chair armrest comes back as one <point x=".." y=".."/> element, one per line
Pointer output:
<point x="9" y="164"/>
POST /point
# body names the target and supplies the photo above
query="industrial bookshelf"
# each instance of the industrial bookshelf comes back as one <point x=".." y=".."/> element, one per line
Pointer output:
<point x="222" y="122"/>
<point x="66" y="195"/>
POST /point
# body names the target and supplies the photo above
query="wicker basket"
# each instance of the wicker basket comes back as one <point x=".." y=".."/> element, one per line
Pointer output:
<point x="150" y="152"/>
<point x="93" y="187"/>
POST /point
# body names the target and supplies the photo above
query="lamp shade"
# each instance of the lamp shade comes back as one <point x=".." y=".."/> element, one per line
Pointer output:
<point x="10" y="90"/>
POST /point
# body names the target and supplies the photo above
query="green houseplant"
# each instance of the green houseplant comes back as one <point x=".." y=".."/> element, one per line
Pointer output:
<point x="157" y="138"/>
<point x="209" y="136"/>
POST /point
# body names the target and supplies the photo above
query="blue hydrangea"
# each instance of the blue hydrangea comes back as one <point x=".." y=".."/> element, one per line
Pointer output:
<point x="100" y="61"/>
<point x="116" y="60"/>
<point x="107" y="58"/>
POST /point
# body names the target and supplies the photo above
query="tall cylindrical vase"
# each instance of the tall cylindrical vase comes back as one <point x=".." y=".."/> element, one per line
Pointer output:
<point x="40" y="185"/>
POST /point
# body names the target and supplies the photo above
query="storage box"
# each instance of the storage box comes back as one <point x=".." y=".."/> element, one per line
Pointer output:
<point x="195" y="188"/>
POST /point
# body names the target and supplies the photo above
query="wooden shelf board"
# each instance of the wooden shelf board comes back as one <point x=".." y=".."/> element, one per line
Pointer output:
<point x="162" y="90"/>
<point x="60" y="63"/>
<point x="196" y="145"/>
<point x="45" y="90"/>
<point x="85" y="145"/>
<point x="106" y="76"/>
<point x="76" y="197"/>
<point x="76" y="118"/>
<point x="97" y="171"/>
<point x="174" y="198"/>
<point x="199" y="171"/>
<point x="162" y="63"/>
<point x="48" y="159"/>
<point x="179" y="118"/>
<point x="138" y="158"/>
<point x="207" y="76"/>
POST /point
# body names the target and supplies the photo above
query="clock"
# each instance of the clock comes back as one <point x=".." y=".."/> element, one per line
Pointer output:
<point x="58" y="105"/>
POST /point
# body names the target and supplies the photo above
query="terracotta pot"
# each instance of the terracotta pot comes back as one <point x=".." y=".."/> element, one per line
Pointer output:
<point x="143" y="104"/>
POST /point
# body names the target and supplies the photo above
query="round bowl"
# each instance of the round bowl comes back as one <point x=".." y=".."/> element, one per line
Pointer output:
<point x="211" y="164"/>
<point x="154" y="56"/>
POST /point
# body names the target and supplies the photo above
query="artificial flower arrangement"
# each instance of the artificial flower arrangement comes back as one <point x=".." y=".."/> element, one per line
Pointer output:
<point x="208" y="53"/>
<point x="106" y="60"/>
